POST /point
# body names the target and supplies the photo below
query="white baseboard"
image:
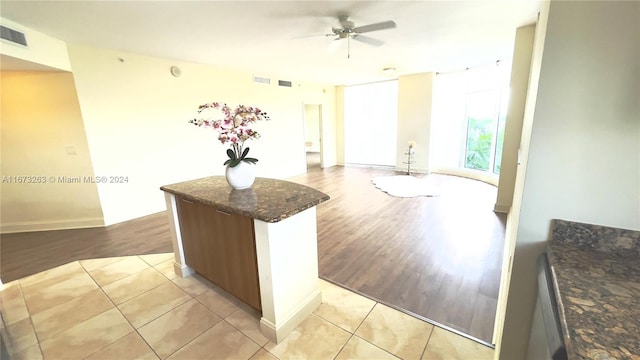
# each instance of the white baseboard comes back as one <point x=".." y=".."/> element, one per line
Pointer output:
<point x="277" y="333"/>
<point x="29" y="226"/>
<point x="483" y="176"/>
<point x="182" y="270"/>
<point x="371" y="166"/>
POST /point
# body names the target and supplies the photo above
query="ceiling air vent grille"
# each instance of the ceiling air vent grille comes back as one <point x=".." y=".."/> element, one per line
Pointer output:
<point x="284" y="83"/>
<point x="12" y="35"/>
<point x="261" y="80"/>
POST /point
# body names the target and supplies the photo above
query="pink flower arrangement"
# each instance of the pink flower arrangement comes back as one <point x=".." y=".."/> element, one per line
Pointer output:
<point x="234" y="127"/>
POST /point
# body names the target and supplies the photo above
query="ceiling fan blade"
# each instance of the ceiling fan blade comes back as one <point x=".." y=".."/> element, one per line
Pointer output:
<point x="375" y="27"/>
<point x="367" y="40"/>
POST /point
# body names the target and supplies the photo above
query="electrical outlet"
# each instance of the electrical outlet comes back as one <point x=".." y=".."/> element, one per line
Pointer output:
<point x="71" y="150"/>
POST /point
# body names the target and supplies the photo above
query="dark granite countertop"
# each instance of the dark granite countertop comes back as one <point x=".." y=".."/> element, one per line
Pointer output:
<point x="596" y="272"/>
<point x="269" y="200"/>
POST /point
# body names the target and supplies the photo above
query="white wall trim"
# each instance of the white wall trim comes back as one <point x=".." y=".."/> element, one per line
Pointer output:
<point x="381" y="167"/>
<point x="29" y="226"/>
<point x="278" y="333"/>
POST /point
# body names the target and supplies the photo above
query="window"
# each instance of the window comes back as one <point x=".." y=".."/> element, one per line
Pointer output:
<point x="371" y="123"/>
<point x="485" y="120"/>
<point x="468" y="122"/>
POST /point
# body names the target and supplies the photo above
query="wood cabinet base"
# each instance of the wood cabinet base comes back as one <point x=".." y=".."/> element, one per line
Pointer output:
<point x="221" y="247"/>
<point x="286" y="254"/>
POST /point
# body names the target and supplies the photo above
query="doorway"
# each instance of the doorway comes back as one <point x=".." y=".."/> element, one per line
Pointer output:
<point x="312" y="135"/>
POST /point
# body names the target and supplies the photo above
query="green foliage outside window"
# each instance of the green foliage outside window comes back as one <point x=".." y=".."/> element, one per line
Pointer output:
<point x="479" y="141"/>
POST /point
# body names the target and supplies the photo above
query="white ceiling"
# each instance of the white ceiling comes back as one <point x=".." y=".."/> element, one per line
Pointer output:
<point x="276" y="38"/>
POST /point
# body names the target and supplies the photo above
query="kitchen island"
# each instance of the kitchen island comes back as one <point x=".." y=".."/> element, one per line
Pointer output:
<point x="596" y="273"/>
<point x="258" y="244"/>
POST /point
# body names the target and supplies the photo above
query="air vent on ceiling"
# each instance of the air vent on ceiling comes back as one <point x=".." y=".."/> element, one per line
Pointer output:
<point x="261" y="80"/>
<point x="284" y="83"/>
<point x="14" y="36"/>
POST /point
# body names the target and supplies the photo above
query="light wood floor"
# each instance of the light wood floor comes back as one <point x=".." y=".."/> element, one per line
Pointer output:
<point x="435" y="257"/>
<point x="438" y="258"/>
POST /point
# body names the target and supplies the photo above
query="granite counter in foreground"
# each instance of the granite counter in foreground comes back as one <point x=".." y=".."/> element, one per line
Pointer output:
<point x="269" y="200"/>
<point x="596" y="271"/>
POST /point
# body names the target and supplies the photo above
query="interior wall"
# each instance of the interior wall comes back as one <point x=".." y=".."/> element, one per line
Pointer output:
<point x="328" y="126"/>
<point x="136" y="114"/>
<point x="584" y="154"/>
<point x="520" y="66"/>
<point x="46" y="166"/>
<point x="513" y="216"/>
<point x="41" y="48"/>
<point x="414" y="120"/>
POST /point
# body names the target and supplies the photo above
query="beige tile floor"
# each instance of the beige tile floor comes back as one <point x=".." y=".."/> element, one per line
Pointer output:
<point x="135" y="307"/>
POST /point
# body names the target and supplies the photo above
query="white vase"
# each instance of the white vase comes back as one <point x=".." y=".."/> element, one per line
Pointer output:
<point x="247" y="198"/>
<point x="241" y="176"/>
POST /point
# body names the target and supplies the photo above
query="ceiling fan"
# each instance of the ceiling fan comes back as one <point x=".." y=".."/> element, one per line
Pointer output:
<point x="349" y="31"/>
